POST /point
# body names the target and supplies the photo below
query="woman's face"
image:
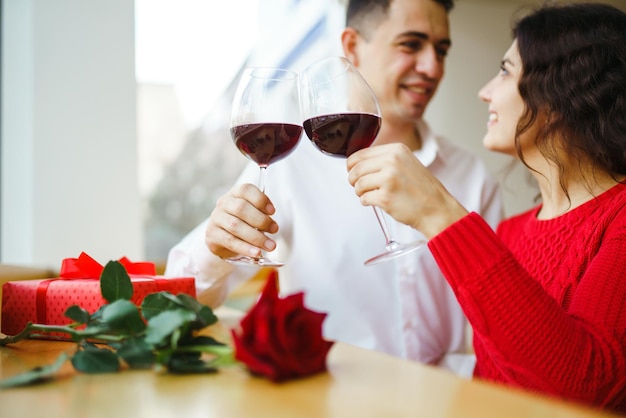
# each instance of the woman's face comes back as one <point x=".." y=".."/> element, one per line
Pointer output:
<point x="505" y="104"/>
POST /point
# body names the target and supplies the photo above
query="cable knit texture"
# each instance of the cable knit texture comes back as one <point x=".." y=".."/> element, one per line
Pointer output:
<point x="547" y="299"/>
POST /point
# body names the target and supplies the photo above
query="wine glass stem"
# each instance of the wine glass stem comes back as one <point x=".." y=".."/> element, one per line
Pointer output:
<point x="261" y="185"/>
<point x="389" y="242"/>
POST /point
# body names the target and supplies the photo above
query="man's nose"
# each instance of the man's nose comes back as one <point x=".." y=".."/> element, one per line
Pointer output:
<point x="429" y="63"/>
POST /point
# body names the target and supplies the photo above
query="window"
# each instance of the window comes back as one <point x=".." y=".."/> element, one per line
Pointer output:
<point x="189" y="55"/>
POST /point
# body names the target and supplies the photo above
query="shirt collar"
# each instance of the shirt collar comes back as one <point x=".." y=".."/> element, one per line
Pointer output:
<point x="430" y="147"/>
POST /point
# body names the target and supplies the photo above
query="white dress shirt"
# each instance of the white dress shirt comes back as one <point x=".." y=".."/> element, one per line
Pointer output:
<point x="403" y="307"/>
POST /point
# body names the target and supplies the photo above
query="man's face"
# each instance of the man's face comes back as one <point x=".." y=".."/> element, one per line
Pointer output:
<point x="403" y="58"/>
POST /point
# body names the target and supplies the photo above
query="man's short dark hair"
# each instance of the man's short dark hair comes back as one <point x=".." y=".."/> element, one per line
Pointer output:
<point x="362" y="14"/>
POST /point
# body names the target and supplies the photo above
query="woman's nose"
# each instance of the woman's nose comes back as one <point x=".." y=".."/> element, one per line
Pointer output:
<point x="429" y="63"/>
<point x="485" y="92"/>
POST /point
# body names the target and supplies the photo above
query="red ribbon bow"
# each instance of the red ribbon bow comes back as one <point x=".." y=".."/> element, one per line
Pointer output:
<point x="85" y="267"/>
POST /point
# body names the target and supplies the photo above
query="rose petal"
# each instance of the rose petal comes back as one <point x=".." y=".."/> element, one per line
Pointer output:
<point x="248" y="356"/>
<point x="280" y="338"/>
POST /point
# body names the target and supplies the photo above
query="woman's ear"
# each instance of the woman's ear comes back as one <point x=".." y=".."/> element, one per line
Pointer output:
<point x="349" y="40"/>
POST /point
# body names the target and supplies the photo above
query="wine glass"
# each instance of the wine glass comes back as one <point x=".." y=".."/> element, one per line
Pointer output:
<point x="265" y="125"/>
<point x="341" y="115"/>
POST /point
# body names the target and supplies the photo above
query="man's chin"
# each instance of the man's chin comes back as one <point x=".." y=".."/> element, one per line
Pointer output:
<point x="415" y="114"/>
<point x="415" y="110"/>
<point x="404" y="114"/>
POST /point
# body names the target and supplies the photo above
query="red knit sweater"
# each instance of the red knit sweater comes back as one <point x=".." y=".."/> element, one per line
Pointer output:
<point x="546" y="299"/>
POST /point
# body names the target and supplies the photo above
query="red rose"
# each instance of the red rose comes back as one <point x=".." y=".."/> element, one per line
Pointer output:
<point x="280" y="338"/>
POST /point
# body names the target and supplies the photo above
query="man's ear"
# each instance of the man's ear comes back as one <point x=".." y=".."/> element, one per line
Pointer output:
<point x="349" y="41"/>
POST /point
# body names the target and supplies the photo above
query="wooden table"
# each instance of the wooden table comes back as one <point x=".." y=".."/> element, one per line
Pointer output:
<point x="359" y="384"/>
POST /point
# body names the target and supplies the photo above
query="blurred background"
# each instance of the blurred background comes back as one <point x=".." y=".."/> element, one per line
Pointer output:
<point x="114" y="122"/>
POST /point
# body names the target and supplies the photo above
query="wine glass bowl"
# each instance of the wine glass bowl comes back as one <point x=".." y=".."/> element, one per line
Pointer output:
<point x="266" y="143"/>
<point x="265" y="125"/>
<point x="265" y="121"/>
<point x="340" y="111"/>
<point x="341" y="116"/>
<point x="343" y="133"/>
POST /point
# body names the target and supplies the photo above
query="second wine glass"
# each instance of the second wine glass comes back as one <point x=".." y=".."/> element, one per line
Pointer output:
<point x="341" y="116"/>
<point x="265" y="125"/>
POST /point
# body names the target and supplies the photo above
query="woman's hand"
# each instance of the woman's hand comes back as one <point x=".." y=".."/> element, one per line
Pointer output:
<point x="392" y="178"/>
<point x="239" y="222"/>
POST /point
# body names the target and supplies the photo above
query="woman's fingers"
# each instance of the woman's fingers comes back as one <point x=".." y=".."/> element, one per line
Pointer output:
<point x="392" y="178"/>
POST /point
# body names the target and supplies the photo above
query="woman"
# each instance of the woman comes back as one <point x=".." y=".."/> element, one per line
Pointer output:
<point x="545" y="293"/>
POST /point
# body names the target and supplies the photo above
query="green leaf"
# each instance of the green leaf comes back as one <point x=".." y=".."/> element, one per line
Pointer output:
<point x="77" y="314"/>
<point x="188" y="364"/>
<point x="174" y="298"/>
<point x="204" y="313"/>
<point x="97" y="315"/>
<point x="164" y="301"/>
<point x="156" y="303"/>
<point x="175" y="337"/>
<point x="95" y="360"/>
<point x="203" y="340"/>
<point x="36" y="375"/>
<point x="115" y="283"/>
<point x="123" y="315"/>
<point x="91" y="331"/>
<point x="207" y="316"/>
<point x="164" y="324"/>
<point x="136" y="353"/>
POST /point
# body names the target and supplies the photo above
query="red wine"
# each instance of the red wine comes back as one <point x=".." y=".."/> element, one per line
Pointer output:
<point x="266" y="143"/>
<point x="342" y="133"/>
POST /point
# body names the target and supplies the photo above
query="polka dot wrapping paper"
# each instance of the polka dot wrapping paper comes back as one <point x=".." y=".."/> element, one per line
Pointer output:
<point x="45" y="301"/>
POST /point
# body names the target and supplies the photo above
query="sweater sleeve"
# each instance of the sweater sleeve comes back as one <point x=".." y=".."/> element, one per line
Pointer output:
<point x="528" y="340"/>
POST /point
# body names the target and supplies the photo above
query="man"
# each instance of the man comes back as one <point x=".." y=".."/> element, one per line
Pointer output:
<point x="323" y="234"/>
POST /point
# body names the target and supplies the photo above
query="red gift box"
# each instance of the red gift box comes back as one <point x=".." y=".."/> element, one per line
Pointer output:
<point x="45" y="301"/>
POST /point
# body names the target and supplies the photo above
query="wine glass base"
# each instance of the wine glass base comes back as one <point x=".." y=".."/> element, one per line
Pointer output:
<point x="394" y="251"/>
<point x="244" y="260"/>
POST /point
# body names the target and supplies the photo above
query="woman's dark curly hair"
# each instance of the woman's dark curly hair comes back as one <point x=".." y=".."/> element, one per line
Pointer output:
<point x="574" y="72"/>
